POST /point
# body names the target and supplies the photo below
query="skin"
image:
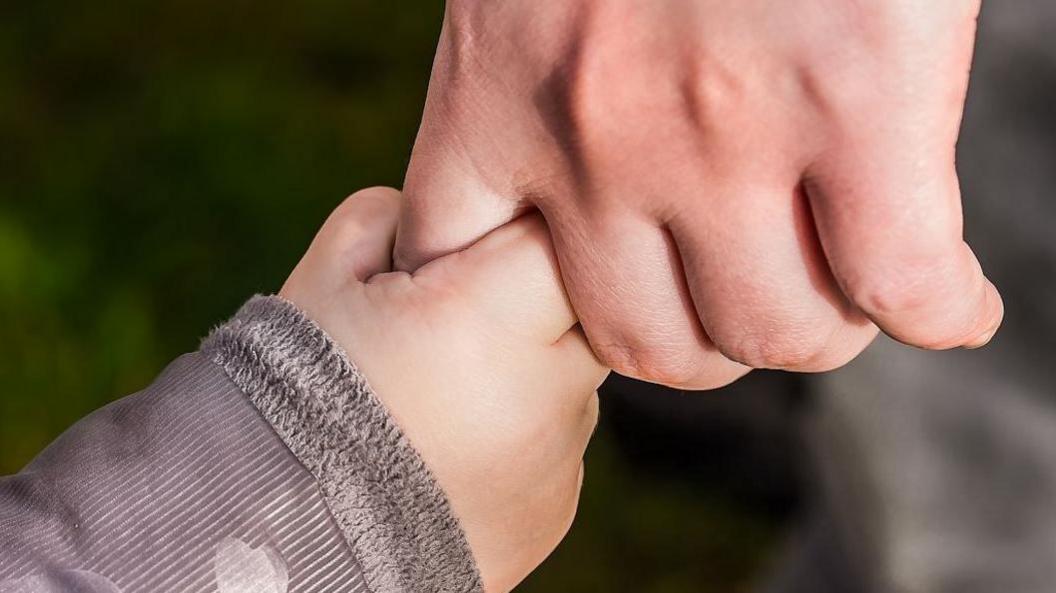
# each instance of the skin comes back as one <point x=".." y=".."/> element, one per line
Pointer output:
<point x="729" y="185"/>
<point x="479" y="358"/>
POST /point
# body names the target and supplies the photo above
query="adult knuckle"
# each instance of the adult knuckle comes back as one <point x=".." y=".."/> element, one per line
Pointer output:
<point x="663" y="366"/>
<point x="902" y="287"/>
<point x="915" y="306"/>
<point x="778" y="349"/>
<point x="889" y="297"/>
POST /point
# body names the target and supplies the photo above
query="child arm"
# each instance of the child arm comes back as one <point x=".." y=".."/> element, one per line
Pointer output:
<point x="267" y="462"/>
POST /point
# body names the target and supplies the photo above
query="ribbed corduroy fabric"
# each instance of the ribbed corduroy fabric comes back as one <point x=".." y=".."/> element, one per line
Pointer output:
<point x="226" y="475"/>
<point x="182" y="487"/>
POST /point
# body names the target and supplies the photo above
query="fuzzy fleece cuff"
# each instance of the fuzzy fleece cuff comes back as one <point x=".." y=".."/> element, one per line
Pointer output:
<point x="385" y="500"/>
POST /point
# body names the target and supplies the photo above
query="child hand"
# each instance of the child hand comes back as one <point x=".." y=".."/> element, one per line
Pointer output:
<point x="479" y="358"/>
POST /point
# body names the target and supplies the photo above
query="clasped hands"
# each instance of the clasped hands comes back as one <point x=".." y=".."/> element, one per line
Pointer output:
<point x="719" y="186"/>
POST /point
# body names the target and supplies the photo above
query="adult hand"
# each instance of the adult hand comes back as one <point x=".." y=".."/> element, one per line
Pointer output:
<point x="728" y="184"/>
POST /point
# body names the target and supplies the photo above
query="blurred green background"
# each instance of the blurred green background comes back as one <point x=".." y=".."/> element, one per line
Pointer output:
<point x="161" y="161"/>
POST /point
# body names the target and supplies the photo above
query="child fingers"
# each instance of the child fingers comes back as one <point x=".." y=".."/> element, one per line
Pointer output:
<point x="511" y="278"/>
<point x="359" y="235"/>
<point x="353" y="244"/>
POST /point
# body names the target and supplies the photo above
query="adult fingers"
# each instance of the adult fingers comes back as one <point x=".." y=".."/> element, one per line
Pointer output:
<point x="761" y="284"/>
<point x="457" y="185"/>
<point x="625" y="280"/>
<point x="887" y="201"/>
<point x="447" y="207"/>
<point x="889" y="218"/>
<point x="509" y="278"/>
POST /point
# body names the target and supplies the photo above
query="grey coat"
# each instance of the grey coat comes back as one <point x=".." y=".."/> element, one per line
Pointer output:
<point x="263" y="463"/>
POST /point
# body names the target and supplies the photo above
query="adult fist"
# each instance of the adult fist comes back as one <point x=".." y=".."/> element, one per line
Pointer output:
<point x="728" y="184"/>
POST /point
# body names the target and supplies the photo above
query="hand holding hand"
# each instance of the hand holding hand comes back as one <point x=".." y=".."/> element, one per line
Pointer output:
<point x="729" y="184"/>
<point x="478" y="357"/>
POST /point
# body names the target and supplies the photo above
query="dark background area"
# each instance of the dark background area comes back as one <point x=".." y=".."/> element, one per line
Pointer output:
<point x="161" y="161"/>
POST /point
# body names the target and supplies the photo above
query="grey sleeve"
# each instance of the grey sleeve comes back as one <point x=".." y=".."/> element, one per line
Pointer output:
<point x="262" y="463"/>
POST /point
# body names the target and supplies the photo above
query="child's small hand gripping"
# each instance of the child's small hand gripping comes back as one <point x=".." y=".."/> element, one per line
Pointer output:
<point x="479" y="358"/>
